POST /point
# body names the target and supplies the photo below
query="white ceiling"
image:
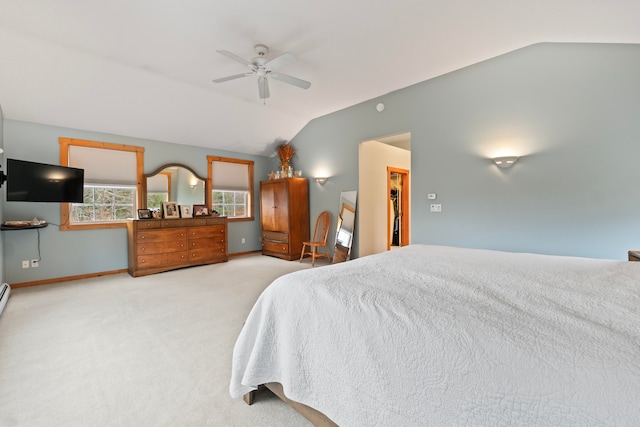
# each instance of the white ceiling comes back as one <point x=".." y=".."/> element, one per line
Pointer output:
<point x="143" y="68"/>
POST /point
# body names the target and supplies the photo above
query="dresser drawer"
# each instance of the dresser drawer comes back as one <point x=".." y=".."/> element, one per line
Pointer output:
<point x="147" y="224"/>
<point x="275" y="236"/>
<point x="173" y="234"/>
<point x="282" y="248"/>
<point x="205" y="243"/>
<point x="161" y="247"/>
<point x="176" y="258"/>
<point x="206" y="254"/>
<point x="203" y="232"/>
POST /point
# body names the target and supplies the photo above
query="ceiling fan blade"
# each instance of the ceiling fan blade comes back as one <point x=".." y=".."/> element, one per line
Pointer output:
<point x="263" y="87"/>
<point x="280" y="61"/>
<point x="236" y="58"/>
<point x="303" y="84"/>
<point x="235" y="76"/>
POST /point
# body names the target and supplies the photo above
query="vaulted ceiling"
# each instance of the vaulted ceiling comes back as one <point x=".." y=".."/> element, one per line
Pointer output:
<point x="144" y="68"/>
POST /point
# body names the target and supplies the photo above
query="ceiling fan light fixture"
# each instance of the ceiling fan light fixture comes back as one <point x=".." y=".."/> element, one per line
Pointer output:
<point x="263" y="68"/>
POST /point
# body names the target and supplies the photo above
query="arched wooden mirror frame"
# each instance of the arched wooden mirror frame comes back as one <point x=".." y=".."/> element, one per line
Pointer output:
<point x="143" y="184"/>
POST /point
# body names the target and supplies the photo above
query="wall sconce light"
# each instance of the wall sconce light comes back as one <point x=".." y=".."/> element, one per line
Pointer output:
<point x="505" y="162"/>
<point x="321" y="181"/>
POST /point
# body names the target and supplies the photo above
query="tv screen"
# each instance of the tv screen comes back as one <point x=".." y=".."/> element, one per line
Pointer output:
<point x="39" y="182"/>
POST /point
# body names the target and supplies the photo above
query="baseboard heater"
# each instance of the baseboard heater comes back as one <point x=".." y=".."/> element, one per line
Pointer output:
<point x="5" y="290"/>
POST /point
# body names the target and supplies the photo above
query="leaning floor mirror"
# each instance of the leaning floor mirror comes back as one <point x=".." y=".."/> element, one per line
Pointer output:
<point x="345" y="227"/>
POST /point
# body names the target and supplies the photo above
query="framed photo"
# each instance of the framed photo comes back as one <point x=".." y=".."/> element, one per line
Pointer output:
<point x="144" y="214"/>
<point x="170" y="210"/>
<point x="200" y="210"/>
<point x="185" y="211"/>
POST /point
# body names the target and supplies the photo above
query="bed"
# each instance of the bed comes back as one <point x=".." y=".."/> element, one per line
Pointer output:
<point x="430" y="335"/>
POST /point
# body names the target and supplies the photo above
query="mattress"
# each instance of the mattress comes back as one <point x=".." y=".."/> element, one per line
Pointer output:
<point x="429" y="335"/>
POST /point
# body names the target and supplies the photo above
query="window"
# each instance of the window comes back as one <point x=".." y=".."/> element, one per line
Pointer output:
<point x="158" y="190"/>
<point x="104" y="204"/>
<point x="112" y="173"/>
<point x="230" y="203"/>
<point x="231" y="181"/>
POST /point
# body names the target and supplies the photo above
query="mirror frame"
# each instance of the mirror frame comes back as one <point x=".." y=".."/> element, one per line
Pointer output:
<point x="143" y="184"/>
<point x="343" y="253"/>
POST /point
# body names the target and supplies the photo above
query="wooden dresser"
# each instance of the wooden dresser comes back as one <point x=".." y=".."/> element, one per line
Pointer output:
<point x="157" y="245"/>
<point x="284" y="216"/>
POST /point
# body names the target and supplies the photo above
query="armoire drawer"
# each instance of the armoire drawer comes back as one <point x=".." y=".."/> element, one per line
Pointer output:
<point x="275" y="236"/>
<point x="282" y="248"/>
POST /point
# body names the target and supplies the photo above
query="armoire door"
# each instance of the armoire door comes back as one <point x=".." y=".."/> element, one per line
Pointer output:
<point x="274" y="205"/>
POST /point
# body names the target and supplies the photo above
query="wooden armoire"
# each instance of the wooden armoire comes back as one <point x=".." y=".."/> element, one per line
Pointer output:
<point x="284" y="216"/>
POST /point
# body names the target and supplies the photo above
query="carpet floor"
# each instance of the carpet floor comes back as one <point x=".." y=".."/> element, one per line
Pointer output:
<point x="146" y="351"/>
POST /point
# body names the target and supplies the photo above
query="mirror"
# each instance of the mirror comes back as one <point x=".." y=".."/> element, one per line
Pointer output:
<point x="346" y="226"/>
<point x="176" y="183"/>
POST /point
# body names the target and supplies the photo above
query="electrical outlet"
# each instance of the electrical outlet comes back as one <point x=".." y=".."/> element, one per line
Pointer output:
<point x="243" y="241"/>
<point x="436" y="207"/>
<point x="25" y="263"/>
<point x="35" y="263"/>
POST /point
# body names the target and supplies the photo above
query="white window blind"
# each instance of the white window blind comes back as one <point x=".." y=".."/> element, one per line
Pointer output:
<point x="158" y="183"/>
<point x="103" y="166"/>
<point x="230" y="176"/>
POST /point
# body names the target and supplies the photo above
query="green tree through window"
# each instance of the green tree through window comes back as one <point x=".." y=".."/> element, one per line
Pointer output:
<point x="104" y="204"/>
<point x="230" y="203"/>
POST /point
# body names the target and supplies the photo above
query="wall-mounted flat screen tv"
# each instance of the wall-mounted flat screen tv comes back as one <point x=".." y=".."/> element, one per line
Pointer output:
<point x="40" y="182"/>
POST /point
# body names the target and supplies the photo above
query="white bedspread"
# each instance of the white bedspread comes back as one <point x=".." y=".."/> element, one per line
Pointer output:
<point x="429" y="335"/>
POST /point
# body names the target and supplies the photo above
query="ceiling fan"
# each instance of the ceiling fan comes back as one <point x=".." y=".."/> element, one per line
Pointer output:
<point x="264" y="68"/>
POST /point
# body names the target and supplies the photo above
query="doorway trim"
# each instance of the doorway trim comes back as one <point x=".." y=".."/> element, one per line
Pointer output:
<point x="404" y="206"/>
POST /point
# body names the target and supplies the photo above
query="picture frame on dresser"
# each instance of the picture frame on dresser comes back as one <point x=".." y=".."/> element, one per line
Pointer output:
<point x="200" y="210"/>
<point x="185" y="211"/>
<point x="170" y="210"/>
<point x="144" y="214"/>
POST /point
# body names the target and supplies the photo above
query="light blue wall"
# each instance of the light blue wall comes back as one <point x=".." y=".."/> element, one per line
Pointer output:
<point x="570" y="110"/>
<point x="70" y="253"/>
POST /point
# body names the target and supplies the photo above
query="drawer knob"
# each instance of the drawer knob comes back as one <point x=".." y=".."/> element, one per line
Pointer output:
<point x="142" y="237"/>
<point x="143" y="261"/>
<point x="142" y="249"/>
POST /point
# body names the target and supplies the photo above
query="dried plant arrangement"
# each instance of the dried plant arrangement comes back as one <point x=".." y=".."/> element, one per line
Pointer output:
<point x="285" y="153"/>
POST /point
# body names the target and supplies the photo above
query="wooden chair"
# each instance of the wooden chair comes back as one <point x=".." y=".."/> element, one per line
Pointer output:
<point x="320" y="235"/>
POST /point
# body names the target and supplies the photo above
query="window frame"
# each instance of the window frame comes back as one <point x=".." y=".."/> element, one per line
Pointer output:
<point x="65" y="208"/>
<point x="251" y="203"/>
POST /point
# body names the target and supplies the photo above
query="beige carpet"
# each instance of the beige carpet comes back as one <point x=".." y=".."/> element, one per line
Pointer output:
<point x="149" y="351"/>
